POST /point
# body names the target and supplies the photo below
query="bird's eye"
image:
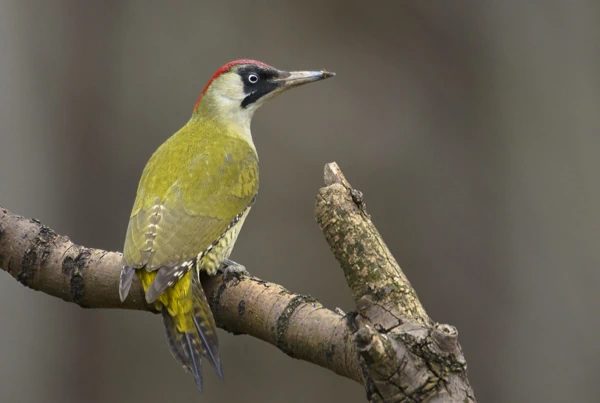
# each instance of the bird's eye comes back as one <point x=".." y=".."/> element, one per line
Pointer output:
<point x="253" y="78"/>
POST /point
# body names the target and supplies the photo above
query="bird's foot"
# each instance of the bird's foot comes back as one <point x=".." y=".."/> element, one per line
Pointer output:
<point x="230" y="268"/>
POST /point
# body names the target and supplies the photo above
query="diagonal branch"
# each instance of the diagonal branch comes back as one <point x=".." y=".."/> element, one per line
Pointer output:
<point x="390" y="344"/>
<point x="405" y="355"/>
<point x="371" y="270"/>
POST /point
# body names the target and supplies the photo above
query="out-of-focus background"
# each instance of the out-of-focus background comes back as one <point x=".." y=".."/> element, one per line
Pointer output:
<point x="471" y="127"/>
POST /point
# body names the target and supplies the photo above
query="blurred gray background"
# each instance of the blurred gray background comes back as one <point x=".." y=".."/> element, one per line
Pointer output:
<point x="471" y="127"/>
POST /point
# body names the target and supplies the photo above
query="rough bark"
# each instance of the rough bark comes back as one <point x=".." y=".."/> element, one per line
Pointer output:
<point x="389" y="344"/>
<point x="405" y="355"/>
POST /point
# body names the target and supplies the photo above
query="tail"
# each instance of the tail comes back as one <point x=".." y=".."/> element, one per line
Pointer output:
<point x="189" y="347"/>
<point x="185" y="347"/>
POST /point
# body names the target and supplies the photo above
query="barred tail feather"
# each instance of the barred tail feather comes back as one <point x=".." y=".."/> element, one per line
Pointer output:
<point x="195" y="358"/>
<point x="186" y="348"/>
<point x="174" y="339"/>
<point x="190" y="346"/>
<point x="206" y="327"/>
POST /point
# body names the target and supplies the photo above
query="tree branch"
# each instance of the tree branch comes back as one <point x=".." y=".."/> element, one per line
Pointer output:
<point x="390" y="344"/>
<point x="297" y="324"/>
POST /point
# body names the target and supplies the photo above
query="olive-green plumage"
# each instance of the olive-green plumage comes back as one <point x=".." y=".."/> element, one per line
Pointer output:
<point x="192" y="200"/>
<point x="196" y="183"/>
<point x="194" y="195"/>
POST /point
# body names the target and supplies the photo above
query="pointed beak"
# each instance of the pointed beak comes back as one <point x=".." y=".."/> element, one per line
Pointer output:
<point x="291" y="79"/>
<point x="280" y="81"/>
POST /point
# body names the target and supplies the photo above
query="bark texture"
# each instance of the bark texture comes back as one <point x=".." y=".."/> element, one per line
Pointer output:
<point x="389" y="344"/>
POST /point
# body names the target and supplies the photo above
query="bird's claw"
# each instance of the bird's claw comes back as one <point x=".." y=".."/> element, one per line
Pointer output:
<point x="230" y="268"/>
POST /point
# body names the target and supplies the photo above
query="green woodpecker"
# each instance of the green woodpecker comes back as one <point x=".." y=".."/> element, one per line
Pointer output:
<point x="194" y="195"/>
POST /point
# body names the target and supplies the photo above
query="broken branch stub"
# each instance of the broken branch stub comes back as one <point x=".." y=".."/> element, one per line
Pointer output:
<point x="374" y="276"/>
<point x="405" y="356"/>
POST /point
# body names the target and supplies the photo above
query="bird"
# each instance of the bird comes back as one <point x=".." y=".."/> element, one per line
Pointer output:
<point x="193" y="197"/>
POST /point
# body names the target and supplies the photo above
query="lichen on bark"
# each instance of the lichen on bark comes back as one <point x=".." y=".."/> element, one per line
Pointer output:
<point x="405" y="356"/>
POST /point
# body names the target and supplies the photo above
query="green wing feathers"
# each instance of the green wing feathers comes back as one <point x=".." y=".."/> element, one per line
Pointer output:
<point x="181" y="209"/>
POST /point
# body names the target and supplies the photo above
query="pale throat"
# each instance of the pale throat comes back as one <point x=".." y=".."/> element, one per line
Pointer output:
<point x="222" y="103"/>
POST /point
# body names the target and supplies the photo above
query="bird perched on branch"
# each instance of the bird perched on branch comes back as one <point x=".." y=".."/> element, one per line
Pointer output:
<point x="194" y="195"/>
